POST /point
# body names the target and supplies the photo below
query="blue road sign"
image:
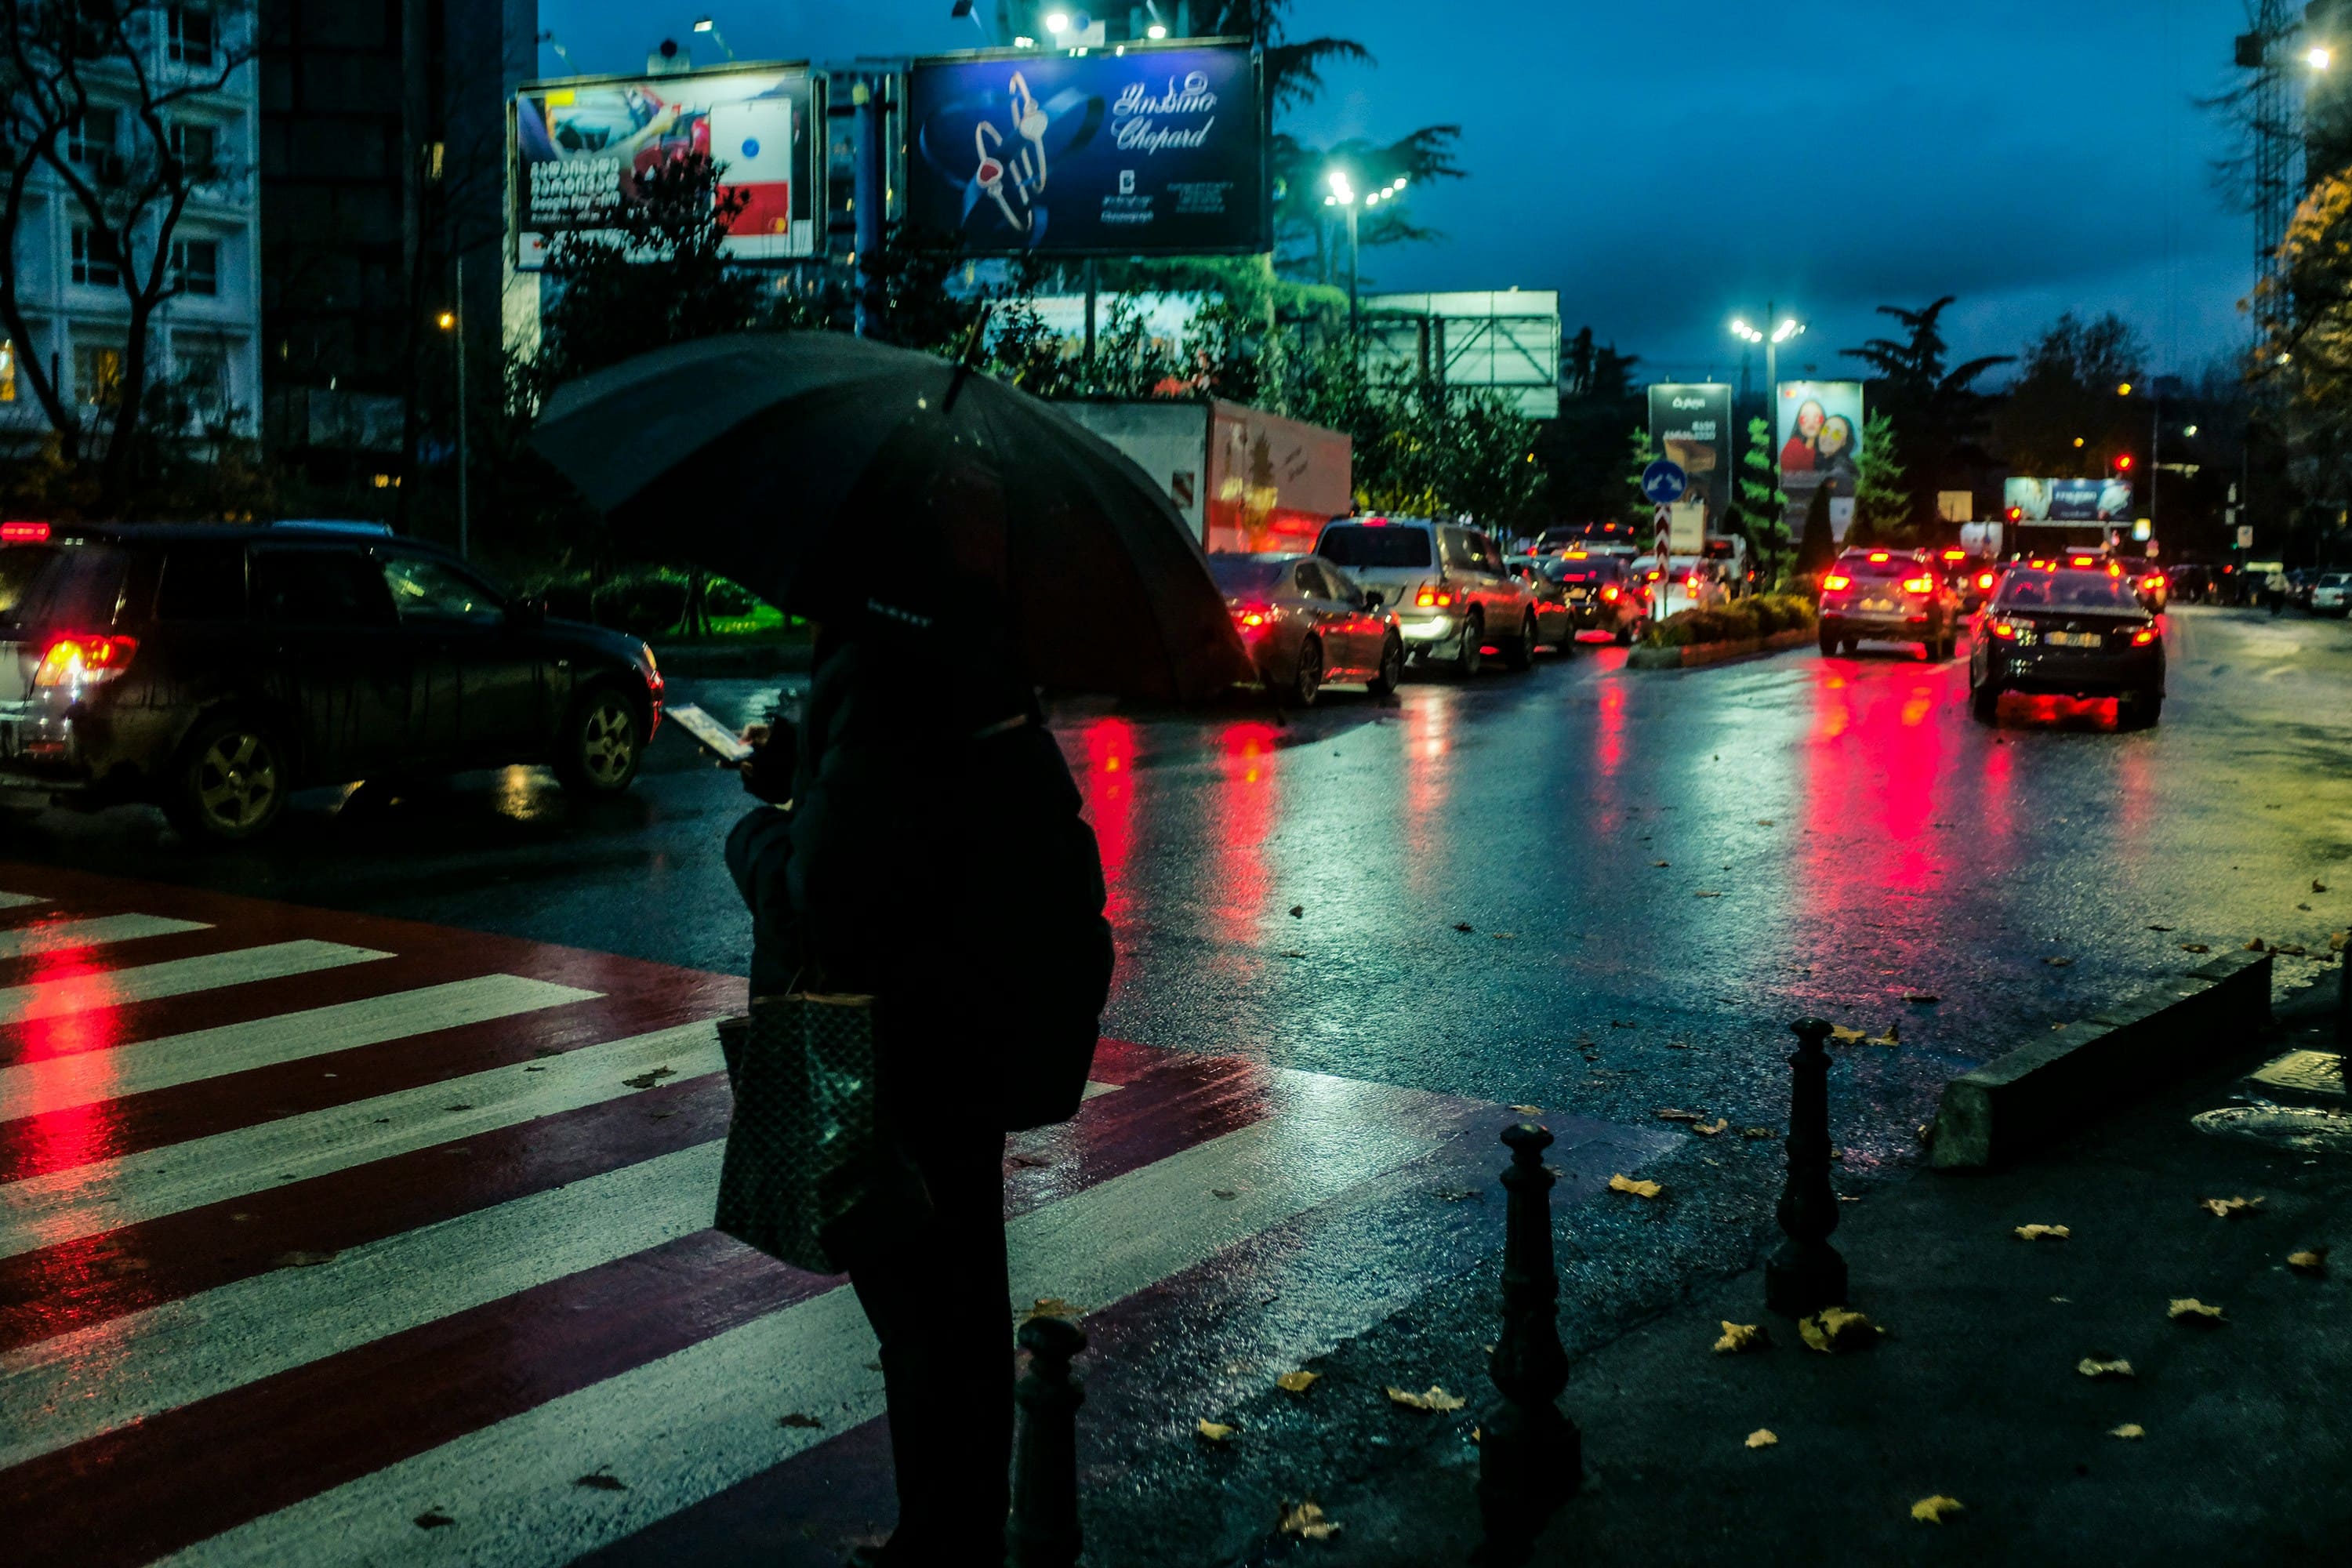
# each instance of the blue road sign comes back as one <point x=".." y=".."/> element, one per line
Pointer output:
<point x="1665" y="482"/>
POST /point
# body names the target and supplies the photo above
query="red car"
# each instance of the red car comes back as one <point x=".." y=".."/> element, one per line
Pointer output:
<point x="1306" y="624"/>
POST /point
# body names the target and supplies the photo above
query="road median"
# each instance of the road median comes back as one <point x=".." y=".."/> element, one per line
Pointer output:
<point x="1691" y="655"/>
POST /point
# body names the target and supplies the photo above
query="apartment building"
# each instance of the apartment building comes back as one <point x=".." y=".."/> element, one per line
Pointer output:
<point x="206" y="339"/>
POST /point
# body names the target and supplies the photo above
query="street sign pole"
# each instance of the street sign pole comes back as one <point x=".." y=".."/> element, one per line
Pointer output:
<point x="1664" y="551"/>
<point x="1664" y="483"/>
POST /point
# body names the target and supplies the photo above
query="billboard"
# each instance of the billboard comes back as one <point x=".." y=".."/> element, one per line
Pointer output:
<point x="1819" y="427"/>
<point x="2068" y="501"/>
<point x="583" y="143"/>
<point x="1503" y="341"/>
<point x="1149" y="152"/>
<point x="1691" y="424"/>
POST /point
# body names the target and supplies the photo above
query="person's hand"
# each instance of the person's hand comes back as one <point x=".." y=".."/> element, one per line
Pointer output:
<point x="768" y="770"/>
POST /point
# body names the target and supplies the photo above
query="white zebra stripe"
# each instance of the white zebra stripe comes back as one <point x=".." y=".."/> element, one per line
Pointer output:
<point x="62" y="936"/>
<point x="178" y="977"/>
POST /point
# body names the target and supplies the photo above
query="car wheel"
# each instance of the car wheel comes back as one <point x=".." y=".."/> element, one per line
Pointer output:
<point x="1625" y="631"/>
<point x="1984" y="703"/>
<point x="2140" y="709"/>
<point x="1935" y="651"/>
<point x="1390" y="674"/>
<point x="1472" y="656"/>
<point x="601" y="746"/>
<point x="1828" y="645"/>
<point x="1307" y="679"/>
<point x="230" y="783"/>
<point x="1522" y="651"/>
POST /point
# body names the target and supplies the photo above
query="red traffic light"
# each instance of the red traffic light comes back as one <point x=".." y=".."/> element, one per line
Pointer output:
<point x="2122" y="462"/>
<point x="2016" y="513"/>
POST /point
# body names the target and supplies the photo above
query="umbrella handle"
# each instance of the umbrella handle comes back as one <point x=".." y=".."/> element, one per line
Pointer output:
<point x="963" y="360"/>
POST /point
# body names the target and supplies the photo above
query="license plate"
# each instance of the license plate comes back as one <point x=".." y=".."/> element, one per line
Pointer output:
<point x="2075" y="639"/>
<point x="1877" y="607"/>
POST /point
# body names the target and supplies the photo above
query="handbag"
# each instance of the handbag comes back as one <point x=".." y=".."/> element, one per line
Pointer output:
<point x="807" y="1149"/>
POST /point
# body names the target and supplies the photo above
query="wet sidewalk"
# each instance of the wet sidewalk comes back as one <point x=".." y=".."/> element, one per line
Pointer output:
<point x="2234" y="1433"/>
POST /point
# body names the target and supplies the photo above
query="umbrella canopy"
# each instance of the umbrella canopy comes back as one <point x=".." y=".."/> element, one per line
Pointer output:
<point x="825" y="472"/>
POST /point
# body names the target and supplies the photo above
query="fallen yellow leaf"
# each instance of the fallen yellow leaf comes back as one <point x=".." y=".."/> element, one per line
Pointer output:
<point x="1435" y="1399"/>
<point x="1528" y="1109"/>
<point x="1756" y="1132"/>
<point x="2059" y="963"/>
<point x="2337" y="940"/>
<point x="1213" y="1431"/>
<point x="2091" y="1366"/>
<point x="1935" y="1510"/>
<point x="1668" y="1113"/>
<point x="1835" y="1328"/>
<point x="2128" y="1429"/>
<point x="1623" y="1184"/>
<point x="2189" y="1309"/>
<point x="2312" y="1262"/>
<point x="1763" y="1438"/>
<point x="1841" y="1033"/>
<point x="1306" y="1520"/>
<point x="2255" y="946"/>
<point x="1740" y="1337"/>
<point x="1893" y="1036"/>
<point x="1706" y="895"/>
<point x="1052" y="1307"/>
<point x="2195" y="947"/>
<point x="2230" y="1208"/>
<point x="1709" y="1129"/>
<point x="2036" y="1232"/>
<point x="1296" y="1382"/>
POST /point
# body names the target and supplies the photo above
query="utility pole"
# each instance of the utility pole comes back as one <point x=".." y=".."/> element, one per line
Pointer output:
<point x="465" y="540"/>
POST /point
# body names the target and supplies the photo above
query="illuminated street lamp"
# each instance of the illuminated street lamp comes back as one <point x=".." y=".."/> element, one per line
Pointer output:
<point x="1790" y="327"/>
<point x="706" y="25"/>
<point x="2320" y="58"/>
<point x="1343" y="196"/>
<point x="448" y="322"/>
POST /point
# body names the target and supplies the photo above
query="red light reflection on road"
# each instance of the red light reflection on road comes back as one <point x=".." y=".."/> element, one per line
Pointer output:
<point x="1107" y="782"/>
<point x="1248" y="801"/>
<point x="1609" y="734"/>
<point x="1428" y="779"/>
<point x="1874" y="767"/>
<point x="81" y="1043"/>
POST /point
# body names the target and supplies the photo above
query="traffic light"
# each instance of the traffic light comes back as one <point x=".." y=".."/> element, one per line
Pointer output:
<point x="2122" y="462"/>
<point x="2016" y="514"/>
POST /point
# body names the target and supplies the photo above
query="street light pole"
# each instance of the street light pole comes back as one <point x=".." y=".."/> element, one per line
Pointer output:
<point x="1354" y="255"/>
<point x="456" y="322"/>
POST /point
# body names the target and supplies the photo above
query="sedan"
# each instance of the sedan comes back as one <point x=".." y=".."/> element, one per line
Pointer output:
<point x="1604" y="593"/>
<point x="2077" y="632"/>
<point x="1306" y="624"/>
<point x="2332" y="594"/>
<point x="1889" y="595"/>
<point x="1555" y="615"/>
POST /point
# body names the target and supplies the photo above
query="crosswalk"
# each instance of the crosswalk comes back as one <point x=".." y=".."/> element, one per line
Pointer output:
<point x="326" y="1238"/>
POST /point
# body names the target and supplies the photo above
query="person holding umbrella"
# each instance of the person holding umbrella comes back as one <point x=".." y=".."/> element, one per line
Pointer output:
<point x="923" y="843"/>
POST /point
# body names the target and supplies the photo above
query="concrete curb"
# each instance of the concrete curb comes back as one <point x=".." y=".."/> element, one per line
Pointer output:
<point x="1696" y="655"/>
<point x="2039" y="1092"/>
<point x="720" y="660"/>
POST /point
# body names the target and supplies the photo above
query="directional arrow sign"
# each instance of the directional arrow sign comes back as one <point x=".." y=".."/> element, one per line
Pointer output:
<point x="1665" y="482"/>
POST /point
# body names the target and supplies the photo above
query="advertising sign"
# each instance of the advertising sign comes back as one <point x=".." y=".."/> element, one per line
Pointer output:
<point x="1151" y="152"/>
<point x="2067" y="500"/>
<point x="1817" y="425"/>
<point x="582" y="145"/>
<point x="1691" y="423"/>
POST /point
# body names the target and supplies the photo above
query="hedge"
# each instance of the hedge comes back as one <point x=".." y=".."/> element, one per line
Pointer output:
<point x="1743" y="620"/>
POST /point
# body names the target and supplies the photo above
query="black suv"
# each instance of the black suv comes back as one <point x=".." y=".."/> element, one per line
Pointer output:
<point x="213" y="669"/>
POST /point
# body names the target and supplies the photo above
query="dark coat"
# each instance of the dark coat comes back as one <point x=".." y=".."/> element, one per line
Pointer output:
<point x="936" y="859"/>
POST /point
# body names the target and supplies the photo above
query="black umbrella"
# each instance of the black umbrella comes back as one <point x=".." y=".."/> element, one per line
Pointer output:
<point x="818" y="468"/>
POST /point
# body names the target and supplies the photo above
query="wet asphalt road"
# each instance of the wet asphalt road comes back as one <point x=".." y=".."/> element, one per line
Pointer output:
<point x="1837" y="836"/>
<point x="1657" y="870"/>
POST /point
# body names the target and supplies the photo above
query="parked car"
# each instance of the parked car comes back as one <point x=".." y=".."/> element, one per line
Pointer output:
<point x="1555" y="617"/>
<point x="2077" y="632"/>
<point x="1453" y="598"/>
<point x="1602" y="591"/>
<point x="1889" y="595"/>
<point x="2332" y="593"/>
<point x="1309" y="625"/>
<point x="2148" y="580"/>
<point x="213" y="670"/>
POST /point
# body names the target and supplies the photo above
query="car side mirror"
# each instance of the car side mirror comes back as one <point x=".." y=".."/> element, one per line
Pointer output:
<point x="1373" y="601"/>
<point x="529" y="613"/>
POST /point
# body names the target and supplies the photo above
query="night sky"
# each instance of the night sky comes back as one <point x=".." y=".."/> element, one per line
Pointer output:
<point x="1669" y="164"/>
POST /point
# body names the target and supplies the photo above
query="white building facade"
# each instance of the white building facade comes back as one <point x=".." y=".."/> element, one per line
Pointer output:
<point x="203" y="340"/>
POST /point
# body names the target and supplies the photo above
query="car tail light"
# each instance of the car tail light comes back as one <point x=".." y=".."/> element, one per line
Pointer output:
<point x="2151" y="581"/>
<point x="1610" y="594"/>
<point x="23" y="533"/>
<point x="2143" y="636"/>
<point x="1984" y="580"/>
<point x="1919" y="585"/>
<point x="2005" y="630"/>
<point x="1434" y="598"/>
<point x="83" y="660"/>
<point x="1252" y="619"/>
<point x="1691" y="583"/>
<point x="1836" y="582"/>
<point x="1880" y="555"/>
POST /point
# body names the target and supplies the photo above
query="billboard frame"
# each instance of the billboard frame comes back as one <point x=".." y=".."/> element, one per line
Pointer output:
<point x="902" y="165"/>
<point x="813" y="139"/>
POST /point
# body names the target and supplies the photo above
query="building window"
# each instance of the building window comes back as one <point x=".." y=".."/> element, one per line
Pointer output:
<point x="203" y="377"/>
<point x="7" y="370"/>
<point x="92" y="135"/>
<point x="98" y="374"/>
<point x="198" y="147"/>
<point x="193" y="35"/>
<point x="196" y="266"/>
<point x="93" y="257"/>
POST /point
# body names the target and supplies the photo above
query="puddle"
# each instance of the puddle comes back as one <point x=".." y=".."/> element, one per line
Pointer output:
<point x="2305" y="1072"/>
<point x="2302" y="1128"/>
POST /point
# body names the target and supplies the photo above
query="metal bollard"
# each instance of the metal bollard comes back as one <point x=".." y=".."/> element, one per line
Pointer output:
<point x="1044" y="1531"/>
<point x="1530" y="1454"/>
<point x="1806" y="1274"/>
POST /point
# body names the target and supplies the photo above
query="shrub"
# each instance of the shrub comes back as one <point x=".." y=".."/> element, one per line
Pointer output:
<point x="1743" y="620"/>
<point x="644" y="606"/>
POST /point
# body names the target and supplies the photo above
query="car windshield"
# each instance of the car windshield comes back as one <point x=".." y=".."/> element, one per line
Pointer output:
<point x="2337" y="580"/>
<point x="1247" y="573"/>
<point x="1574" y="571"/>
<point x="2067" y="590"/>
<point x="1892" y="566"/>
<point x="1354" y="544"/>
<point x="61" y="584"/>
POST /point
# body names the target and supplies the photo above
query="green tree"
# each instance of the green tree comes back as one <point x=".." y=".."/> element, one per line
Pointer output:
<point x="2063" y="418"/>
<point x="1761" y="510"/>
<point x="1937" y="409"/>
<point x="1634" y="506"/>
<point x="1581" y="450"/>
<point x="2306" y="351"/>
<point x="1882" y="506"/>
<point x="1817" y="547"/>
